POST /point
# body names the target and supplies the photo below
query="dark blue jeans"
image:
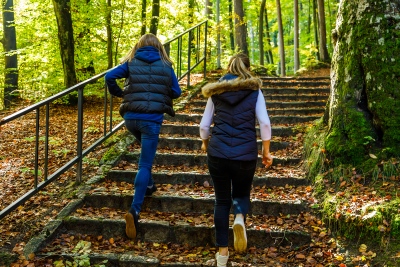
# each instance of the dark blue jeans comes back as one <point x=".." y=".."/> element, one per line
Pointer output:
<point x="232" y="184"/>
<point x="146" y="132"/>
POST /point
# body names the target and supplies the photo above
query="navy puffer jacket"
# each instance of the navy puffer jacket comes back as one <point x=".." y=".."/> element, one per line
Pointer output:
<point x="234" y="132"/>
<point x="148" y="89"/>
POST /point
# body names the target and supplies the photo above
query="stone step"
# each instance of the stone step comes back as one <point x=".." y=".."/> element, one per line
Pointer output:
<point x="295" y="91"/>
<point x="193" y="177"/>
<point x="191" y="159"/>
<point x="196" y="118"/>
<point x="195" y="143"/>
<point x="193" y="130"/>
<point x="192" y="203"/>
<point x="283" y="95"/>
<point x="324" y="79"/>
<point x="282" y="112"/>
<point x="270" y="104"/>
<point x="165" y="232"/>
<point x="297" y="98"/>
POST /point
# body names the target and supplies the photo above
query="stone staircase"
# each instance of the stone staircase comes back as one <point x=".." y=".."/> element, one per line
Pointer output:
<point x="176" y="223"/>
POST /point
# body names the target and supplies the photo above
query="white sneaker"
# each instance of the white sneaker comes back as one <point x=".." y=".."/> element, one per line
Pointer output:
<point x="221" y="260"/>
<point x="239" y="235"/>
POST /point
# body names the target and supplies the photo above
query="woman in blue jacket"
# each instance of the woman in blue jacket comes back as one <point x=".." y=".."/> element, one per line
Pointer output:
<point x="150" y="86"/>
<point x="234" y="104"/>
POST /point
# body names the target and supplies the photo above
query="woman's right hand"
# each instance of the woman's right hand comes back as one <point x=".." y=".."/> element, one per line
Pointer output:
<point x="204" y="145"/>
<point x="266" y="156"/>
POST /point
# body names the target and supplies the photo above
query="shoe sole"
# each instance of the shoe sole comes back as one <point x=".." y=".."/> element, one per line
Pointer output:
<point x="130" y="228"/>
<point x="240" y="241"/>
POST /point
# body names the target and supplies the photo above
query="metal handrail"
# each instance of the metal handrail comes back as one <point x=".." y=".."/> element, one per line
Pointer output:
<point x="108" y="130"/>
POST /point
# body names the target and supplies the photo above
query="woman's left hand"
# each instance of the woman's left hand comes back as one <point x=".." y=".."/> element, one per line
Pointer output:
<point x="267" y="159"/>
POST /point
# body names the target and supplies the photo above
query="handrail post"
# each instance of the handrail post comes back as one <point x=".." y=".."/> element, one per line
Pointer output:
<point x="105" y="110"/>
<point x="189" y="56"/>
<point x="168" y="49"/>
<point x="205" y="48"/>
<point x="46" y="144"/>
<point x="37" y="147"/>
<point x="80" y="136"/>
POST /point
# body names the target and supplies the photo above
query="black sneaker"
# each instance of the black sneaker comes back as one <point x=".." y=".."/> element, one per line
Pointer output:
<point x="151" y="190"/>
<point x="132" y="223"/>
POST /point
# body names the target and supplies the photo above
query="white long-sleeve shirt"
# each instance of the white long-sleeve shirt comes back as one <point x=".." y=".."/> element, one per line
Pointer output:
<point x="261" y="114"/>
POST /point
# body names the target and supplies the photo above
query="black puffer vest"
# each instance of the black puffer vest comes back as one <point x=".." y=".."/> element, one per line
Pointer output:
<point x="148" y="89"/>
<point x="234" y="132"/>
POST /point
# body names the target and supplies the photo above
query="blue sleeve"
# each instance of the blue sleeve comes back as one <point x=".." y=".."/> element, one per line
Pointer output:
<point x="176" y="89"/>
<point x="122" y="71"/>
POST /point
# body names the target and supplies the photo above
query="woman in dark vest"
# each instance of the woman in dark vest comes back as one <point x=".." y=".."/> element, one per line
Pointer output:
<point x="234" y="104"/>
<point x="149" y="88"/>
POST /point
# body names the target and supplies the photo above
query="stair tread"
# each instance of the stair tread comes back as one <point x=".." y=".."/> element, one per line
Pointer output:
<point x="290" y="171"/>
<point x="166" y="254"/>
<point x="288" y="193"/>
<point x="253" y="222"/>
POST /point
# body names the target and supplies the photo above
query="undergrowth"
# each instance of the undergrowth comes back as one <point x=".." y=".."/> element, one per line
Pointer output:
<point x="360" y="204"/>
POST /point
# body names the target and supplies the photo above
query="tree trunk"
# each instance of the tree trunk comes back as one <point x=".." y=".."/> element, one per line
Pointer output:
<point x="118" y="36"/>
<point x="191" y="12"/>
<point x="66" y="40"/>
<point x="240" y="27"/>
<point x="208" y="9"/>
<point x="323" y="50"/>
<point x="155" y="15"/>
<point x="296" y="36"/>
<point x="218" y="35"/>
<point x="109" y="36"/>
<point x="261" y="31"/>
<point x="270" y="58"/>
<point x="83" y="49"/>
<point x="315" y="27"/>
<point x="10" y="59"/>
<point x="231" y="28"/>
<point x="364" y="105"/>
<point x="143" y="17"/>
<point x="281" y="41"/>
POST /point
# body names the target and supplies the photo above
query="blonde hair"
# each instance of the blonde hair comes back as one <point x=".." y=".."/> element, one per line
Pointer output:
<point x="147" y="39"/>
<point x="239" y="65"/>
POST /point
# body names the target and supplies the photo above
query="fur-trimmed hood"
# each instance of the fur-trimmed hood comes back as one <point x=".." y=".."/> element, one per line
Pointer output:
<point x="231" y="86"/>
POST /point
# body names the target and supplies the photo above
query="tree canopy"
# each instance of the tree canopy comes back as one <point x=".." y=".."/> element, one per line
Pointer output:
<point x="105" y="30"/>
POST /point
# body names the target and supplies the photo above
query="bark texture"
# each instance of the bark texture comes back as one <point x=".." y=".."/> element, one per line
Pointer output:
<point x="62" y="10"/>
<point x="155" y="15"/>
<point x="240" y="27"/>
<point x="364" y="106"/>
<point x="9" y="42"/>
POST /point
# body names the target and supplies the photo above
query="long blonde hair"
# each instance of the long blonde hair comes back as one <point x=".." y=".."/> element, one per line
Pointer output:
<point x="148" y="39"/>
<point x="239" y="65"/>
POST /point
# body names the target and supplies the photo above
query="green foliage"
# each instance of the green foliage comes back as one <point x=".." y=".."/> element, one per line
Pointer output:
<point x="40" y="66"/>
<point x="82" y="259"/>
<point x="64" y="152"/>
<point x="6" y="259"/>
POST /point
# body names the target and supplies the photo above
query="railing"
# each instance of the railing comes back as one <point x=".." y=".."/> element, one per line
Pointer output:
<point x="196" y="43"/>
<point x="193" y="39"/>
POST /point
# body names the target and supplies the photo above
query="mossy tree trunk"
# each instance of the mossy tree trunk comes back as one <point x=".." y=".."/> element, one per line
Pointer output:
<point x="363" y="115"/>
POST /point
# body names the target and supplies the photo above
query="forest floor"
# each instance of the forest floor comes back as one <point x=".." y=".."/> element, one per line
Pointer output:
<point x="17" y="164"/>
